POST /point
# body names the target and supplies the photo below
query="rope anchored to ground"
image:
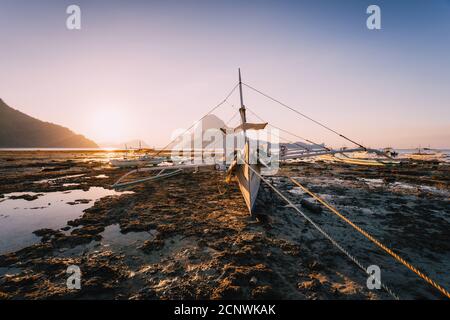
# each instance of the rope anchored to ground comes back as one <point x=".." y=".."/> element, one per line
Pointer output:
<point x="375" y="241"/>
<point x="326" y="235"/>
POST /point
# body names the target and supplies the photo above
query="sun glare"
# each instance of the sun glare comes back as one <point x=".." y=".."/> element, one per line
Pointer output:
<point x="109" y="125"/>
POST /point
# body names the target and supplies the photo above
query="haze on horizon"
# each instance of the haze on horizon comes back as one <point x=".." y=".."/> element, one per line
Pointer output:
<point x="142" y="69"/>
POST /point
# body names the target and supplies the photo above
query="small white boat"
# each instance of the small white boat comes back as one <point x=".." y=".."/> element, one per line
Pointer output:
<point x="361" y="161"/>
<point x="426" y="154"/>
<point x="136" y="162"/>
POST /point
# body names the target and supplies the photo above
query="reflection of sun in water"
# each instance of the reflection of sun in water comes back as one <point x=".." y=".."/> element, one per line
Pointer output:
<point x="109" y="125"/>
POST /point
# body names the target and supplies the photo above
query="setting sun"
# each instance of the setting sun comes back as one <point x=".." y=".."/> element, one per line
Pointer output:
<point x="109" y="125"/>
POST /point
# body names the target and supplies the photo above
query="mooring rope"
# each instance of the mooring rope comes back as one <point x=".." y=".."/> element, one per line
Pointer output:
<point x="375" y="241"/>
<point x="326" y="235"/>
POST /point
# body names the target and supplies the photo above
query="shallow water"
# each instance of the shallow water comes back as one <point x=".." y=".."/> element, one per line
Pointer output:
<point x="70" y="184"/>
<point x="19" y="217"/>
<point x="60" y="178"/>
<point x="113" y="238"/>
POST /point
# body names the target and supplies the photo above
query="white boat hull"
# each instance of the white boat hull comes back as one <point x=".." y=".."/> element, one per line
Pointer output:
<point x="127" y="163"/>
<point x="249" y="183"/>
<point x="248" y="180"/>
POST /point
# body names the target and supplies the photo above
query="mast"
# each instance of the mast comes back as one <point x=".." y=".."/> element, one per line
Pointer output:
<point x="242" y="108"/>
<point x="242" y="111"/>
<point x="248" y="181"/>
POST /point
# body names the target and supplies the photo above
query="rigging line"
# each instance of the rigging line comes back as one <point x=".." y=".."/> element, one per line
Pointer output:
<point x="282" y="137"/>
<point x="271" y="133"/>
<point x="303" y="115"/>
<point x="288" y="141"/>
<point x="375" y="241"/>
<point x="326" y="235"/>
<point x="277" y="136"/>
<point x="209" y="112"/>
<point x="293" y="134"/>
<point x="307" y="140"/>
<point x="232" y="118"/>
<point x="234" y="115"/>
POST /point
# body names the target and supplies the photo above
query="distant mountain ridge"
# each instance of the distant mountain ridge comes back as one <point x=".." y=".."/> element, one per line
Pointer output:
<point x="18" y="130"/>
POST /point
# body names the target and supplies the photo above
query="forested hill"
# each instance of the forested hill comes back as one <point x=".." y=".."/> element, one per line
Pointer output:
<point x="18" y="130"/>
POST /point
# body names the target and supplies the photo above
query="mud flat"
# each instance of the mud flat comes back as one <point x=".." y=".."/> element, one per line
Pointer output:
<point x="190" y="236"/>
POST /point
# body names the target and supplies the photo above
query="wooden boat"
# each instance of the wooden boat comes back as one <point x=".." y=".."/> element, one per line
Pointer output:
<point x="246" y="165"/>
<point x="248" y="179"/>
<point x="246" y="168"/>
<point x="361" y="161"/>
<point x="136" y="162"/>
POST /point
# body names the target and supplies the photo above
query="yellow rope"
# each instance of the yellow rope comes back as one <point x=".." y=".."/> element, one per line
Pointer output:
<point x="378" y="243"/>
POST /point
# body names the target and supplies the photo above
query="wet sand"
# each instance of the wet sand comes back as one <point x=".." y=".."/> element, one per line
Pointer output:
<point x="190" y="236"/>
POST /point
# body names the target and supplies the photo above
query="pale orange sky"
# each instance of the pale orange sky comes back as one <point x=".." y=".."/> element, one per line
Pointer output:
<point x="142" y="70"/>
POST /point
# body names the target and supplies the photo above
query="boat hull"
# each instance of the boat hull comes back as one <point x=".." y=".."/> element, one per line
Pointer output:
<point x="249" y="183"/>
<point x="127" y="163"/>
<point x="248" y="178"/>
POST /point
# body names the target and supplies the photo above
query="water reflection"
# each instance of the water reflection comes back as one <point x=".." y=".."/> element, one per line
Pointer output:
<point x="112" y="237"/>
<point x="19" y="217"/>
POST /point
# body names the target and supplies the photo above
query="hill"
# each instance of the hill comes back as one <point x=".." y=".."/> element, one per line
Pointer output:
<point x="18" y="130"/>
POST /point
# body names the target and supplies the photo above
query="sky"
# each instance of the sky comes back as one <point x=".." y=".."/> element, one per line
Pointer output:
<point x="143" y="69"/>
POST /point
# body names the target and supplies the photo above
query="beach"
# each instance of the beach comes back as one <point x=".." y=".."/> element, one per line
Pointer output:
<point x="191" y="237"/>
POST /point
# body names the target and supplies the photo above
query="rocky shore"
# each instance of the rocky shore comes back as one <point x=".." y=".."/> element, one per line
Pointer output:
<point x="190" y="236"/>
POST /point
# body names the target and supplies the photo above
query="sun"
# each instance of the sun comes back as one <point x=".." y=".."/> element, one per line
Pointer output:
<point x="109" y="125"/>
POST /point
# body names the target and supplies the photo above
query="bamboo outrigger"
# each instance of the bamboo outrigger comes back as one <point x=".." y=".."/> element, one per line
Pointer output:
<point x="245" y="167"/>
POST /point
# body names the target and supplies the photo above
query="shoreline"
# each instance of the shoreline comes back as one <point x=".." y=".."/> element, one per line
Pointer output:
<point x="190" y="237"/>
